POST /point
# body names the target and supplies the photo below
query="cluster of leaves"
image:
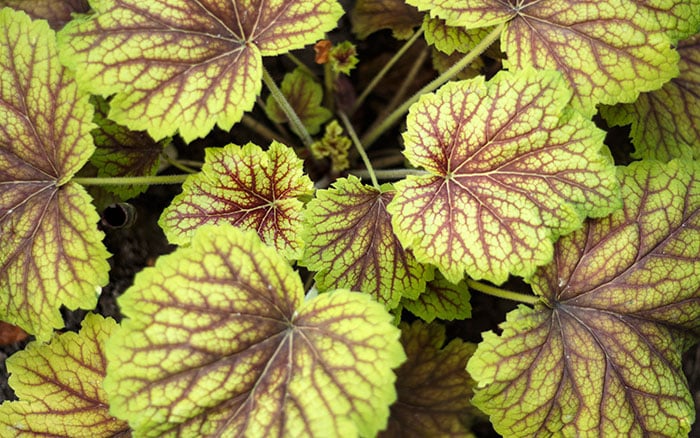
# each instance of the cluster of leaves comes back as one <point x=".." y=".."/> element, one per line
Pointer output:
<point x="509" y="176"/>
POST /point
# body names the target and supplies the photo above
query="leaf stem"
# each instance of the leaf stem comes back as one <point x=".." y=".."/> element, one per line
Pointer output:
<point x="370" y="137"/>
<point x="129" y="180"/>
<point x="502" y="293"/>
<point x="287" y="109"/>
<point x="387" y="174"/>
<point x="386" y="69"/>
<point x="360" y="149"/>
<point x="177" y="164"/>
<point x="300" y="64"/>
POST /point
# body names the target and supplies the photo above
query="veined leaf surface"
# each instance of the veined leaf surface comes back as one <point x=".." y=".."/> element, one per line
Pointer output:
<point x="219" y="341"/>
<point x="60" y="387"/>
<point x="247" y="187"/>
<point x="441" y="299"/>
<point x="666" y="122"/>
<point x="608" y="51"/>
<point x="601" y="356"/>
<point x="433" y="387"/>
<point x="187" y="64"/>
<point x="511" y="167"/>
<point x="51" y="251"/>
<point x="122" y="152"/>
<point x="349" y="241"/>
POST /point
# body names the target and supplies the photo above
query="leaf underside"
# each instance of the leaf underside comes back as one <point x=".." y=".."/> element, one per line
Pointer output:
<point x="621" y="302"/>
<point x="52" y="253"/>
<point x="220" y="342"/>
<point x="369" y="16"/>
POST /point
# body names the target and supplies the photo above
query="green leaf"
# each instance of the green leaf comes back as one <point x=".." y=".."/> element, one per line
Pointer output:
<point x="442" y="62"/>
<point x="343" y="57"/>
<point x="510" y="168"/>
<point x="350" y="242"/>
<point x="304" y="94"/>
<point x="666" y="122"/>
<point x="621" y="302"/>
<point x="369" y="16"/>
<point x="450" y="39"/>
<point x="220" y="342"/>
<point x="56" y="12"/>
<point x="247" y="187"/>
<point x="608" y="51"/>
<point x="442" y="300"/>
<point x="335" y="145"/>
<point x="680" y="19"/>
<point x="122" y="152"/>
<point x="183" y="64"/>
<point x="60" y="386"/>
<point x="433" y="387"/>
<point x="51" y="253"/>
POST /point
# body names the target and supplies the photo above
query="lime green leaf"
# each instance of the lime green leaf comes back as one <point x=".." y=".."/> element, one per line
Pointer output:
<point x="442" y="300"/>
<point x="369" y="16"/>
<point x="350" y="242"/>
<point x="186" y="65"/>
<point x="60" y="386"/>
<point x="122" y="152"/>
<point x="56" y="12"/>
<point x="449" y="39"/>
<point x="666" y="122"/>
<point x="433" y="386"/>
<point x="608" y="51"/>
<point x="220" y="342"/>
<point x="51" y="253"/>
<point x="511" y="167"/>
<point x="304" y="94"/>
<point x="343" y="57"/>
<point x="335" y="145"/>
<point x="247" y="187"/>
<point x="680" y="19"/>
<point x="621" y="301"/>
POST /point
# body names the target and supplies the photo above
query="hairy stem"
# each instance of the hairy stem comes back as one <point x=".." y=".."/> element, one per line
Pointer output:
<point x="287" y="109"/>
<point x="360" y="149"/>
<point x="261" y="129"/>
<point x="389" y="174"/>
<point x="372" y="136"/>
<point x="129" y="180"/>
<point x="502" y="293"/>
<point x="386" y="69"/>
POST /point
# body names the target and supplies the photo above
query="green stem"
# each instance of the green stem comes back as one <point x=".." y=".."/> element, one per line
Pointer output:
<point x="502" y="293"/>
<point x="129" y="180"/>
<point x="372" y="136"/>
<point x="329" y="77"/>
<point x="300" y="64"/>
<point x="360" y="149"/>
<point x="287" y="109"/>
<point x="177" y="164"/>
<point x="386" y="69"/>
<point x="387" y="174"/>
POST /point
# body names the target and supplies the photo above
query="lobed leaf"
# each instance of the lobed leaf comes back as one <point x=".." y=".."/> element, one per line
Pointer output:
<point x="510" y="168"/>
<point x="247" y="187"/>
<point x="304" y="95"/>
<point x="680" y="19"/>
<point x="349" y="241"/>
<point x="220" y="342"/>
<point x="608" y="51"/>
<point x="666" y="122"/>
<point x="601" y="356"/>
<point x="433" y="387"/>
<point x="60" y="386"/>
<point x="441" y="299"/>
<point x="450" y="39"/>
<point x="52" y="253"/>
<point x="186" y="65"/>
<point x="122" y="152"/>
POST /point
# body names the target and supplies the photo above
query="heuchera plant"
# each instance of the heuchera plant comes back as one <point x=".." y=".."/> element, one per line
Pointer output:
<point x="305" y="299"/>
